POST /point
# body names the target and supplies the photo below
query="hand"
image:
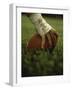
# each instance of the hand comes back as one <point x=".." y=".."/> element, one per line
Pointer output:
<point x="52" y="37"/>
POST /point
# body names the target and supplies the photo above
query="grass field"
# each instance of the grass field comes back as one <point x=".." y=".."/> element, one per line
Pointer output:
<point x="41" y="62"/>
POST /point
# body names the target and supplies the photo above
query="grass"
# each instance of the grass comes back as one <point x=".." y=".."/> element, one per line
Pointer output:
<point x="38" y="62"/>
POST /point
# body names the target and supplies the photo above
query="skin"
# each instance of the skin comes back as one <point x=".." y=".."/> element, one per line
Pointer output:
<point x="49" y="35"/>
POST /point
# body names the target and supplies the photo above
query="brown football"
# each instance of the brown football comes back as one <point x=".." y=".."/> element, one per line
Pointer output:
<point x="35" y="41"/>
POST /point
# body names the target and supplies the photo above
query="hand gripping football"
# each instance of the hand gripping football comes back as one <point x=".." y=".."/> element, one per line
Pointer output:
<point x="36" y="41"/>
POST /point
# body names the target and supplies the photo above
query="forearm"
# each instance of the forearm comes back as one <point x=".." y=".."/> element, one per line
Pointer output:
<point x="40" y="23"/>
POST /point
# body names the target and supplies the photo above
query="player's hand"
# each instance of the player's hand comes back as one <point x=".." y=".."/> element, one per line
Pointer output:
<point x="52" y="37"/>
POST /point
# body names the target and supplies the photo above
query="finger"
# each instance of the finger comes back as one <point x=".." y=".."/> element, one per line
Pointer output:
<point x="49" y="39"/>
<point x="54" y="37"/>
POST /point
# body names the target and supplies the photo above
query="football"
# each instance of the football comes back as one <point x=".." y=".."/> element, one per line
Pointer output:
<point x="36" y="41"/>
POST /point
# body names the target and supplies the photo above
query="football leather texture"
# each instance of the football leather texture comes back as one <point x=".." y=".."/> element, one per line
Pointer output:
<point x="36" y="40"/>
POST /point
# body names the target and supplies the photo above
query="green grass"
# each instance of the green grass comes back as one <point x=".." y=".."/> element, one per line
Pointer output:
<point x="37" y="62"/>
<point x="28" y="29"/>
